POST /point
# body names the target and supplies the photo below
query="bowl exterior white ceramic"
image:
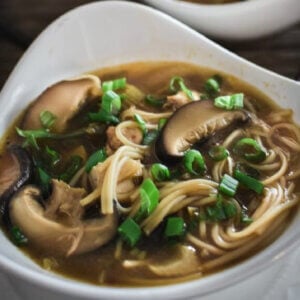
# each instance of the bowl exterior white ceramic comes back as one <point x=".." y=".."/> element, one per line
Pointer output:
<point x="92" y="37"/>
<point x="235" y="21"/>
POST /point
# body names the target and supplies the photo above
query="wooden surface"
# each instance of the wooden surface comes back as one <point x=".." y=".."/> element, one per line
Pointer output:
<point x="22" y="20"/>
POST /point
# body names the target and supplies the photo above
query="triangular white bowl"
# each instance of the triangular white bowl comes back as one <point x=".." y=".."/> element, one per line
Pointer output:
<point x="111" y="33"/>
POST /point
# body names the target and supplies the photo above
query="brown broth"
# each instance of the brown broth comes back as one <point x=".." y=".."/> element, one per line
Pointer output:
<point x="99" y="267"/>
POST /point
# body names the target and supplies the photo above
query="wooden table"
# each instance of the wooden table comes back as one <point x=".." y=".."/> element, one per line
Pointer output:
<point x="22" y="20"/>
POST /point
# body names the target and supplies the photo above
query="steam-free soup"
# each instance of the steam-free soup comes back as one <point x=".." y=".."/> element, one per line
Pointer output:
<point x="162" y="172"/>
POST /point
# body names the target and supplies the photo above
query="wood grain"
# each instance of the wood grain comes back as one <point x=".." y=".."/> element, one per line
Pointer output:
<point x="22" y="20"/>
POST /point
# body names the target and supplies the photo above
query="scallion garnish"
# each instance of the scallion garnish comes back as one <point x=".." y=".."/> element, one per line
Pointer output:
<point x="250" y="182"/>
<point x="212" y="86"/>
<point x="141" y="123"/>
<point x="111" y="102"/>
<point x="130" y="232"/>
<point x="193" y="162"/>
<point x="175" y="227"/>
<point x="154" y="101"/>
<point x="113" y="85"/>
<point x="53" y="156"/>
<point x="160" y="172"/>
<point x="250" y="150"/>
<point x="228" y="185"/>
<point x="245" y="218"/>
<point x="149" y="195"/>
<point x="218" y="153"/>
<point x="230" y="102"/>
<point x="72" y="166"/>
<point x="47" y="119"/>
<point x="94" y="159"/>
<point x="103" y="116"/>
<point x="43" y="179"/>
<point x="161" y="123"/>
<point x="177" y="84"/>
<point x="149" y="137"/>
<point x="17" y="236"/>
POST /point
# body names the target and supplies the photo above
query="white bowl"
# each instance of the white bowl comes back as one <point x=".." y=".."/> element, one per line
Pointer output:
<point x="235" y="21"/>
<point x="111" y="33"/>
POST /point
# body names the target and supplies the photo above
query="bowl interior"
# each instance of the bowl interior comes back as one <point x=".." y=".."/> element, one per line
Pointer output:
<point x="78" y="42"/>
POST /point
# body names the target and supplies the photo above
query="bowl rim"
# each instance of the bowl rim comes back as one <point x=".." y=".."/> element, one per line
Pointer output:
<point x="72" y="287"/>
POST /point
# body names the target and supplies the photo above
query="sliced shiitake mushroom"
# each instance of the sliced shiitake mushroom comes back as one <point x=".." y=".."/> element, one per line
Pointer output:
<point x="64" y="100"/>
<point x="192" y="123"/>
<point x="17" y="170"/>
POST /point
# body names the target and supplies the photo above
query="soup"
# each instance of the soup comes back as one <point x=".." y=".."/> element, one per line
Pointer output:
<point x="163" y="172"/>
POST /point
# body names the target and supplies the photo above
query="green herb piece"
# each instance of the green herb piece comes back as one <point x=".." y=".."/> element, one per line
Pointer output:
<point x="111" y="102"/>
<point x="177" y="83"/>
<point x="245" y="218"/>
<point x="175" y="227"/>
<point x="161" y="123"/>
<point x="250" y="182"/>
<point x="218" y="153"/>
<point x="47" y="119"/>
<point x="250" y="150"/>
<point x="113" y="85"/>
<point x="73" y="165"/>
<point x="228" y="185"/>
<point x="149" y="196"/>
<point x="43" y="180"/>
<point x="154" y="101"/>
<point x="212" y="86"/>
<point x="18" y="237"/>
<point x="160" y="172"/>
<point x="130" y="232"/>
<point x="103" y="116"/>
<point x="230" y="102"/>
<point x="94" y="159"/>
<point x="53" y="156"/>
<point x="193" y="162"/>
<point x="141" y="123"/>
<point x="149" y="137"/>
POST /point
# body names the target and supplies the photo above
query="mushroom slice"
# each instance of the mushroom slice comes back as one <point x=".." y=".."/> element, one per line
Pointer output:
<point x="190" y="124"/>
<point x="63" y="99"/>
<point x="16" y="169"/>
<point x="55" y="238"/>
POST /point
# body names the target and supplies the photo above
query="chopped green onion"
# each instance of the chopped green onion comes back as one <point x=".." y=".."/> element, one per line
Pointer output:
<point x="230" y="102"/>
<point x="53" y="156"/>
<point x="73" y="165"/>
<point x="130" y="232"/>
<point x="250" y="150"/>
<point x="160" y="172"/>
<point x="193" y="162"/>
<point x="18" y="237"/>
<point x="47" y="119"/>
<point x="113" y="85"/>
<point x="94" y="159"/>
<point x="103" y="116"/>
<point x="212" y="86"/>
<point x="245" y="218"/>
<point x="218" y="153"/>
<point x="43" y="180"/>
<point x="250" y="182"/>
<point x="149" y="137"/>
<point x="248" y="170"/>
<point x="154" y="101"/>
<point x="149" y="195"/>
<point x="111" y="102"/>
<point x="175" y="227"/>
<point x="161" y="123"/>
<point x="177" y="83"/>
<point x="141" y="123"/>
<point x="230" y="209"/>
<point x="228" y="185"/>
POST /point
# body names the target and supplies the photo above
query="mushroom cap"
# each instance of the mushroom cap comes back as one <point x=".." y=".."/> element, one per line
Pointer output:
<point x="55" y="238"/>
<point x="192" y="123"/>
<point x="16" y="169"/>
<point x="63" y="99"/>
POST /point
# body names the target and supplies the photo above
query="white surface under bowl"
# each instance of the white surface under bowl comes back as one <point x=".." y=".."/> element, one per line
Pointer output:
<point x="234" y="21"/>
<point x="110" y="33"/>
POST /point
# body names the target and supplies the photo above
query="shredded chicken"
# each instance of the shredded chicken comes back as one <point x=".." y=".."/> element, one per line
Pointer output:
<point x="64" y="203"/>
<point x="113" y="143"/>
<point x="180" y="99"/>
